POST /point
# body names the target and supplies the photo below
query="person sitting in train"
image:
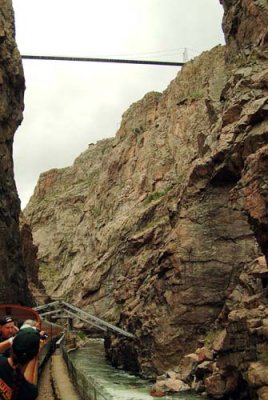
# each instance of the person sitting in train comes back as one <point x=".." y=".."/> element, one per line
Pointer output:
<point x="29" y="323"/>
<point x="7" y="331"/>
<point x="18" y="372"/>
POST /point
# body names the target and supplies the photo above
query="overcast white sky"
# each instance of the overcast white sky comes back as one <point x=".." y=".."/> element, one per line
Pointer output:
<point x="69" y="105"/>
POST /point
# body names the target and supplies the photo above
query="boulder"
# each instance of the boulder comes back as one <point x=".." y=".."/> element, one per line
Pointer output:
<point x="169" y="385"/>
<point x="215" y="386"/>
<point x="263" y="393"/>
<point x="257" y="374"/>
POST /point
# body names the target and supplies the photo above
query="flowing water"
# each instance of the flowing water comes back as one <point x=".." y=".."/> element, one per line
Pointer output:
<point x="101" y="381"/>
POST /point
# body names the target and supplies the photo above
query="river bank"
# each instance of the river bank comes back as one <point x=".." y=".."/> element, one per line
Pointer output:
<point x="96" y="379"/>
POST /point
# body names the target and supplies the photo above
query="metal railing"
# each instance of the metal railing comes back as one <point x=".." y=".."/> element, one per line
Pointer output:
<point x="61" y="307"/>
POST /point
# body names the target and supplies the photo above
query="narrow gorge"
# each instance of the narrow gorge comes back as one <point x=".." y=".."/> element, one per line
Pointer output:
<point x="163" y="228"/>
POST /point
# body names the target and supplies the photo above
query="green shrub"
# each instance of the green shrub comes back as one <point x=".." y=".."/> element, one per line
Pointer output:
<point x="81" y="335"/>
<point x="210" y="336"/>
<point x="195" y="95"/>
<point x="95" y="211"/>
<point x="156" y="195"/>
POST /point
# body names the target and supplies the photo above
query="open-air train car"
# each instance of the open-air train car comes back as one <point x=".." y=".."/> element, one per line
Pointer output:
<point x="20" y="314"/>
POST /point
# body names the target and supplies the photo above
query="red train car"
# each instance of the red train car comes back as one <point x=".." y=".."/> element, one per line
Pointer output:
<point x="19" y="313"/>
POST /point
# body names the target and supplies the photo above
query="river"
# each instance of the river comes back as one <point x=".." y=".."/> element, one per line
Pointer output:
<point x="99" y="380"/>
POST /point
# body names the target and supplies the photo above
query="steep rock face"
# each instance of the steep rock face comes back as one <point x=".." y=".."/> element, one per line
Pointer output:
<point x="109" y="193"/>
<point x="245" y="27"/>
<point x="13" y="282"/>
<point x="231" y="360"/>
<point x="30" y="260"/>
<point x="154" y="228"/>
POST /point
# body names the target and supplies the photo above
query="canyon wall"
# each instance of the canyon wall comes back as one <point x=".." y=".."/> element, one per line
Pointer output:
<point x="13" y="281"/>
<point x="163" y="228"/>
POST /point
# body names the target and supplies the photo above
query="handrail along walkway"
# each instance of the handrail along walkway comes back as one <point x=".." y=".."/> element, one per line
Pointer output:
<point x="82" y="315"/>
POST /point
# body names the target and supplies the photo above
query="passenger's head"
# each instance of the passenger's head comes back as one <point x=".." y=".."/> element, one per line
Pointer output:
<point x="7" y="327"/>
<point x="25" y="345"/>
<point x="29" y="323"/>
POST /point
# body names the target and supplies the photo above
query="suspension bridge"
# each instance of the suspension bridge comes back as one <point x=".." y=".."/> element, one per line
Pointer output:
<point x="108" y="60"/>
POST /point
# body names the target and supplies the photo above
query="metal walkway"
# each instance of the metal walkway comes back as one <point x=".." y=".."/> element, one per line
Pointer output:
<point x="64" y="310"/>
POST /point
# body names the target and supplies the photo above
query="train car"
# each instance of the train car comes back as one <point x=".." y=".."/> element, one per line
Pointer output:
<point x="52" y="331"/>
<point x="20" y="314"/>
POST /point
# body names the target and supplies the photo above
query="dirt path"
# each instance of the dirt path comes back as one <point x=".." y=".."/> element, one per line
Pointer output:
<point x="45" y="383"/>
<point x="54" y="382"/>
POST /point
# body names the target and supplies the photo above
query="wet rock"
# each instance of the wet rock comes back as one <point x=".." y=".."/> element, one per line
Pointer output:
<point x="157" y="391"/>
<point x="170" y="385"/>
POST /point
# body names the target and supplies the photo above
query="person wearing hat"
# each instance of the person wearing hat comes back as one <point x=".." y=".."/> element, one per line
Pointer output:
<point x="7" y="330"/>
<point x="17" y="372"/>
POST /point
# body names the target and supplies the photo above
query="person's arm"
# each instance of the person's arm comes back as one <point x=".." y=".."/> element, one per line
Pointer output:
<point x="6" y="344"/>
<point x="31" y="371"/>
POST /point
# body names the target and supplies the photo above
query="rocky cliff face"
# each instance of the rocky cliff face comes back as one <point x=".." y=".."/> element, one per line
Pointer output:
<point x="30" y="261"/>
<point x="245" y="27"/>
<point x="13" y="282"/>
<point x="161" y="228"/>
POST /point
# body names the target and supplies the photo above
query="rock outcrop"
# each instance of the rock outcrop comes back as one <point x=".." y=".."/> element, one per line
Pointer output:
<point x="245" y="28"/>
<point x="158" y="229"/>
<point x="13" y="281"/>
<point x="30" y="260"/>
<point x="231" y="360"/>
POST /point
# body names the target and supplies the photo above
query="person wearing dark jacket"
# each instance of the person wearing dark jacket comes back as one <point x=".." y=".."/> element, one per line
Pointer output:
<point x="7" y="330"/>
<point x="17" y="372"/>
